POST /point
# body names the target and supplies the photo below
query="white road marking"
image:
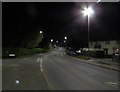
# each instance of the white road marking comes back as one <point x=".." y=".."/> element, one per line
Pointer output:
<point x="61" y="54"/>
<point x="38" y="59"/>
<point x="41" y="69"/>
<point x="17" y="82"/>
<point x="113" y="84"/>
<point x="41" y="64"/>
<point x="89" y="60"/>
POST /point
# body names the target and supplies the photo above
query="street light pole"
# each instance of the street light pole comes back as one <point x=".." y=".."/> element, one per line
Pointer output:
<point x="87" y="12"/>
<point x="88" y="33"/>
<point x="51" y="42"/>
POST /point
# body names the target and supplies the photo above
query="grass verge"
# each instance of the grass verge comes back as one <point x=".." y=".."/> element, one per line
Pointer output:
<point x="81" y="57"/>
<point x="21" y="52"/>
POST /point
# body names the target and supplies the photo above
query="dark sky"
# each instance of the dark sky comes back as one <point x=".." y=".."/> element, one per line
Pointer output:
<point x="57" y="20"/>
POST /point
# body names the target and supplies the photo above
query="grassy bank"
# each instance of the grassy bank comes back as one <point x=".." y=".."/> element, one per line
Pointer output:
<point x="21" y="51"/>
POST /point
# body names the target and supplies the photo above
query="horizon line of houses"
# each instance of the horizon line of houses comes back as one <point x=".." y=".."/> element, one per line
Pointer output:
<point x="110" y="47"/>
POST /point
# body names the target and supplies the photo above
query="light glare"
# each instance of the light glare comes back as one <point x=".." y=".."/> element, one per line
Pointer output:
<point x="51" y="40"/>
<point x="40" y="32"/>
<point x="88" y="11"/>
<point x="65" y="38"/>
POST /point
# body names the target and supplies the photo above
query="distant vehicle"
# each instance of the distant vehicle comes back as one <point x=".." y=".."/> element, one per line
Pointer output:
<point x="78" y="51"/>
<point x="70" y="52"/>
<point x="12" y="55"/>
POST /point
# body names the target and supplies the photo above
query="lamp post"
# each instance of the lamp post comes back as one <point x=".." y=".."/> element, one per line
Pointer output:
<point x="65" y="41"/>
<point x="88" y="12"/>
<point x="51" y="43"/>
<point x="57" y="43"/>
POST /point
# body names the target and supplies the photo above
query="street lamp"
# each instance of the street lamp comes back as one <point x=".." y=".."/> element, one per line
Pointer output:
<point x="51" y="44"/>
<point x="88" y="12"/>
<point x="57" y="41"/>
<point x="40" y="32"/>
<point x="65" y="38"/>
<point x="51" y="40"/>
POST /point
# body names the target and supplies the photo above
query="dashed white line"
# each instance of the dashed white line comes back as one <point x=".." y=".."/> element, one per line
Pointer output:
<point x="12" y="55"/>
<point x="41" y="64"/>
<point x="61" y="54"/>
<point x="38" y="59"/>
<point x="113" y="84"/>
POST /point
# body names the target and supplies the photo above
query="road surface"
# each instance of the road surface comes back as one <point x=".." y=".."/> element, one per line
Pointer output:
<point x="56" y="71"/>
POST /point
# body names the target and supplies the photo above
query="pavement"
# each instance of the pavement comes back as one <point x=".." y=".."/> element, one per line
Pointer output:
<point x="103" y="62"/>
<point x="56" y="71"/>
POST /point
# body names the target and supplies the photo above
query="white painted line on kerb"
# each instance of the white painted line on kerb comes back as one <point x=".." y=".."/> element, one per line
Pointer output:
<point x="41" y="64"/>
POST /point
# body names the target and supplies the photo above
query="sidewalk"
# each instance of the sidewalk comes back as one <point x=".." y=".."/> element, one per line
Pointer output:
<point x="105" y="63"/>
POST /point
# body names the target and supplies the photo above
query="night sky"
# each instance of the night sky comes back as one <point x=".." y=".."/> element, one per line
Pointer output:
<point x="57" y="20"/>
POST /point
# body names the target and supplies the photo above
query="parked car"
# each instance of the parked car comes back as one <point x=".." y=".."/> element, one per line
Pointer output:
<point x="70" y="52"/>
<point x="78" y="52"/>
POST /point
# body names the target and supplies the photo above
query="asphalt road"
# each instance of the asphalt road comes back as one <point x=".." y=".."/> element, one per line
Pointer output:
<point x="56" y="71"/>
<point x="22" y="74"/>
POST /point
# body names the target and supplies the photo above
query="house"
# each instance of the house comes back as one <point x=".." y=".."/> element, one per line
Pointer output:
<point x="108" y="46"/>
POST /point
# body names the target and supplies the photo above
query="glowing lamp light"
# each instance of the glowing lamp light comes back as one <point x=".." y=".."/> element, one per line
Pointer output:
<point x="65" y="38"/>
<point x="40" y="32"/>
<point x="51" y="40"/>
<point x="88" y="11"/>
